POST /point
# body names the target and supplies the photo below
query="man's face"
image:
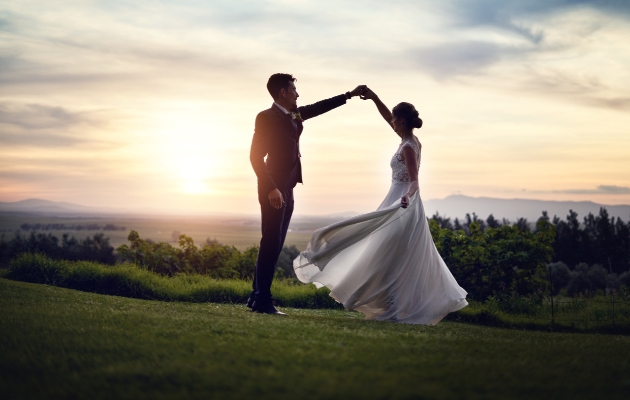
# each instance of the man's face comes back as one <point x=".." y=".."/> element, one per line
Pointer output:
<point x="290" y="95"/>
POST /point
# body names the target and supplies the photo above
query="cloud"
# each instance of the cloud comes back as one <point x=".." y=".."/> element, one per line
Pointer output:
<point x="492" y="13"/>
<point x="459" y="58"/>
<point x="47" y="126"/>
<point x="504" y="14"/>
<point x="111" y="53"/>
<point x="616" y="103"/>
<point x="36" y="116"/>
<point x="562" y="82"/>
<point x="488" y="32"/>
<point x="4" y="24"/>
<point x="601" y="189"/>
<point x="580" y="88"/>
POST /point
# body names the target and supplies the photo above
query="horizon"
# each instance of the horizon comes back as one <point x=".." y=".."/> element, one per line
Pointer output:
<point x="432" y="206"/>
<point x="153" y="105"/>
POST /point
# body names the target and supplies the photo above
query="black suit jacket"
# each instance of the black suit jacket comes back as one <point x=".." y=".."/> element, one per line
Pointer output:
<point x="276" y="138"/>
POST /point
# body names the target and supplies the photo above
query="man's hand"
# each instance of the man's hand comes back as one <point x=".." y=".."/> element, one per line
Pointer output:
<point x="358" y="90"/>
<point x="275" y="199"/>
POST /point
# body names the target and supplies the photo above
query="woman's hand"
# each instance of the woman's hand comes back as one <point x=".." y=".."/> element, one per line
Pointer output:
<point x="357" y="91"/>
<point x="404" y="201"/>
<point x="368" y="94"/>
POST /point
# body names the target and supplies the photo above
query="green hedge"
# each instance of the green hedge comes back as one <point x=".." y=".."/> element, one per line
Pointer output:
<point x="129" y="280"/>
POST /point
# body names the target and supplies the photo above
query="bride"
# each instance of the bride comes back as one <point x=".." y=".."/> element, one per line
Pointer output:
<point x="384" y="263"/>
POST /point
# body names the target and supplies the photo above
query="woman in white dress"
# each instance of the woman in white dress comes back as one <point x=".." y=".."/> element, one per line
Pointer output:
<point x="384" y="263"/>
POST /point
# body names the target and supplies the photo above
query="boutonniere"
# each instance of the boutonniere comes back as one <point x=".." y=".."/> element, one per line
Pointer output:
<point x="296" y="116"/>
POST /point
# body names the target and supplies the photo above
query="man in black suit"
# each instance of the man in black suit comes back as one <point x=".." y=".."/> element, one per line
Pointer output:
<point x="276" y="136"/>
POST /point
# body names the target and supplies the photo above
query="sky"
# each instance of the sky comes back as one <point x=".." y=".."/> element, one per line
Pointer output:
<point x="150" y="105"/>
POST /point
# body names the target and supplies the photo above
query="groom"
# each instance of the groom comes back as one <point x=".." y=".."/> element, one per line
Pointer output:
<point x="277" y="136"/>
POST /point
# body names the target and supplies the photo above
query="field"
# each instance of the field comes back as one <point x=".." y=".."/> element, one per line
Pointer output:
<point x="241" y="232"/>
<point x="60" y="343"/>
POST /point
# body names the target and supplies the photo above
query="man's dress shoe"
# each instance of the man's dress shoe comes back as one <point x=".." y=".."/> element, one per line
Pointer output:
<point x="266" y="309"/>
<point x="250" y="302"/>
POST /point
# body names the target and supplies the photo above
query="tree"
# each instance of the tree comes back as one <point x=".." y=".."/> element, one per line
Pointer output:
<point x="492" y="222"/>
<point x="505" y="261"/>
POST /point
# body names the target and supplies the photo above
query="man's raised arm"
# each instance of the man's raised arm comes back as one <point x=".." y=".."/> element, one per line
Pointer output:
<point x="323" y="106"/>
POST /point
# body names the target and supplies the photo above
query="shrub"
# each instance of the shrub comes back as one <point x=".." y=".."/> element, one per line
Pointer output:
<point x="131" y="281"/>
<point x="587" y="280"/>
<point x="213" y="259"/>
<point x="560" y="276"/>
<point x="503" y="261"/>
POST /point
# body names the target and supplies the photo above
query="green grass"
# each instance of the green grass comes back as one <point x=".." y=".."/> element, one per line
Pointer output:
<point x="60" y="343"/>
<point x="130" y="281"/>
<point x="571" y="315"/>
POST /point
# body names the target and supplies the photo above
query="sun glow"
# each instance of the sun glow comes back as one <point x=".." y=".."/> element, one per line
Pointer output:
<point x="194" y="187"/>
<point x="188" y="151"/>
<point x="194" y="171"/>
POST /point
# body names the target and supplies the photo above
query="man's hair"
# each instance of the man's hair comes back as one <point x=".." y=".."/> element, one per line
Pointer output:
<point x="277" y="82"/>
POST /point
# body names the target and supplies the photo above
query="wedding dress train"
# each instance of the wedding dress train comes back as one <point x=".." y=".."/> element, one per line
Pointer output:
<point x="384" y="263"/>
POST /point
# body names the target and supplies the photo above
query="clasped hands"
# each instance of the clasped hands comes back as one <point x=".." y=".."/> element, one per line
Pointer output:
<point x="358" y="91"/>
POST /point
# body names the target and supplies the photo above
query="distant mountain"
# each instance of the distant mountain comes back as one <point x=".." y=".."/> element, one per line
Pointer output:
<point x="43" y="207"/>
<point x="457" y="206"/>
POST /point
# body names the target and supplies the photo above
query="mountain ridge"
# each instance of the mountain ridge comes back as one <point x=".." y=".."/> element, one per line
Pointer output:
<point x="454" y="206"/>
<point x="457" y="206"/>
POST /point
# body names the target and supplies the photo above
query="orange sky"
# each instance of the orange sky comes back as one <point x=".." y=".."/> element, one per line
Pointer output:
<point x="152" y="105"/>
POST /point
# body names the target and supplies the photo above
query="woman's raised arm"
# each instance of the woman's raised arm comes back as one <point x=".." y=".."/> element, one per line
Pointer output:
<point x="368" y="94"/>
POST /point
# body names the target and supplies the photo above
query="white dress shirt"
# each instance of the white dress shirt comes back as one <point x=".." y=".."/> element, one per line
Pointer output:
<point x="284" y="110"/>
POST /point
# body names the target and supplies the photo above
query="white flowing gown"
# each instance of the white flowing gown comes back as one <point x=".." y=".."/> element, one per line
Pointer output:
<point x="384" y="263"/>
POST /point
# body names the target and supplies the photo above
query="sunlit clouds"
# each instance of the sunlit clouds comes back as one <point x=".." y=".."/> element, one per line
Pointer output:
<point x="151" y="105"/>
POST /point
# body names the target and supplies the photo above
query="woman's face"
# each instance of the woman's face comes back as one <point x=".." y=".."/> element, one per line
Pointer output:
<point x="396" y="123"/>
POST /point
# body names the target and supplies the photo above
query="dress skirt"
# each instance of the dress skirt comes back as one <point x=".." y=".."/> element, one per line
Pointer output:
<point x="383" y="264"/>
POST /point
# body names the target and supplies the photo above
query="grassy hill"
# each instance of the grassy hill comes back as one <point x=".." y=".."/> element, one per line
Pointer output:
<point x="60" y="343"/>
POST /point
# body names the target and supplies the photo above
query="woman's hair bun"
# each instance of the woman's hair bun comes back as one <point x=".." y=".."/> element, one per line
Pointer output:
<point x="408" y="113"/>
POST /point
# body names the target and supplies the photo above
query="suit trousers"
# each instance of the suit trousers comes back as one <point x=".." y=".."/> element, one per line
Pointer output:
<point x="274" y="224"/>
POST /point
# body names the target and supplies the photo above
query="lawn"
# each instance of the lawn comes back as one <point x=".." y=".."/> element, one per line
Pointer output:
<point x="61" y="343"/>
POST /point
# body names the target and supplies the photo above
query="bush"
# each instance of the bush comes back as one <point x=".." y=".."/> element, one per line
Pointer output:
<point x="560" y="276"/>
<point x="587" y="280"/>
<point x="130" y="281"/>
<point x="284" y="267"/>
<point x="504" y="262"/>
<point x="213" y="259"/>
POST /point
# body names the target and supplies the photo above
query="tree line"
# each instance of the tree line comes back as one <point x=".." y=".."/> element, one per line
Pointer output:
<point x="63" y="227"/>
<point x="489" y="258"/>
<point x="588" y="256"/>
<point x="95" y="248"/>
<point x="598" y="239"/>
<point x="504" y="261"/>
<point x="211" y="258"/>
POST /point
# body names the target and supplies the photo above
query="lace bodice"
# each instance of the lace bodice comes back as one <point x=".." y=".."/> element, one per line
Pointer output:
<point x="399" y="169"/>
